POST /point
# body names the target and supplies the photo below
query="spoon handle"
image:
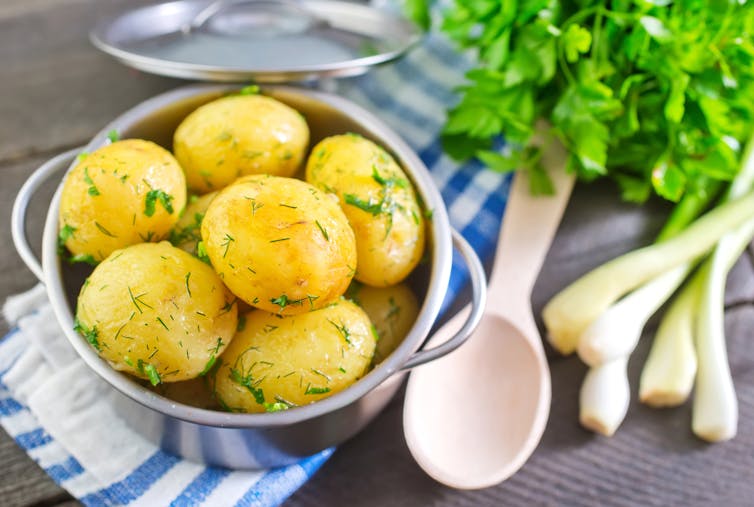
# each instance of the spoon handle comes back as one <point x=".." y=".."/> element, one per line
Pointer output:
<point x="528" y="228"/>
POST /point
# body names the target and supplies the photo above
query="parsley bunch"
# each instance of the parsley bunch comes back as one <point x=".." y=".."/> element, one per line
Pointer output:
<point x="656" y="94"/>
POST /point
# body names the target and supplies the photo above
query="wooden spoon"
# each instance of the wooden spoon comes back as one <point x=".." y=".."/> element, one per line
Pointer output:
<point x="472" y="418"/>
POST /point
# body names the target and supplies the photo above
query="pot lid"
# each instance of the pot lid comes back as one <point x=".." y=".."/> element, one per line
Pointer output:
<point x="265" y="41"/>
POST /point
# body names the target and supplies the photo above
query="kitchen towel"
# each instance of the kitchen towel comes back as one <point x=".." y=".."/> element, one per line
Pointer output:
<point x="59" y="412"/>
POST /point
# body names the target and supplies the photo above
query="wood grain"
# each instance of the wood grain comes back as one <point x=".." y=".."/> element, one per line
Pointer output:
<point x="56" y="91"/>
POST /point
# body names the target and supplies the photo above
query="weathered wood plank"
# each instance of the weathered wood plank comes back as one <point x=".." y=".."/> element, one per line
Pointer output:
<point x="22" y="482"/>
<point x="57" y="90"/>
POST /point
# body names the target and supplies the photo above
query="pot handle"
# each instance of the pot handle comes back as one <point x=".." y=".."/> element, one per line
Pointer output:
<point x="478" y="303"/>
<point x="21" y="205"/>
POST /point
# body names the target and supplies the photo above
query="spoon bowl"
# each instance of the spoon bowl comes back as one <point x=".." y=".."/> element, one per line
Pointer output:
<point x="473" y="418"/>
<point x="501" y="398"/>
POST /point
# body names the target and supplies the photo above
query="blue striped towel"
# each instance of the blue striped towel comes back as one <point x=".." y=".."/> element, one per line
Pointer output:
<point x="58" y="411"/>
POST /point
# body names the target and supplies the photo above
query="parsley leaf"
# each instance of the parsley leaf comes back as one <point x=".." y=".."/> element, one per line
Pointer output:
<point x="154" y="196"/>
<point x="655" y="95"/>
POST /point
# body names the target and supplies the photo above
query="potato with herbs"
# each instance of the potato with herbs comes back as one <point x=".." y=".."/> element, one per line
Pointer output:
<point x="393" y="310"/>
<point x="280" y="244"/>
<point x="126" y="192"/>
<point x="378" y="200"/>
<point x="239" y="135"/>
<point x="187" y="233"/>
<point x="156" y="312"/>
<point x="276" y="363"/>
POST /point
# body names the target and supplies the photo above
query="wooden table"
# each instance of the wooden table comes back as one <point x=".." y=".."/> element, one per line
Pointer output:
<point x="56" y="91"/>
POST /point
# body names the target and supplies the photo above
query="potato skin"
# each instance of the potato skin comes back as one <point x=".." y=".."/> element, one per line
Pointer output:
<point x="124" y="193"/>
<point x="156" y="312"/>
<point x="274" y="363"/>
<point x="378" y="200"/>
<point x="239" y="135"/>
<point x="279" y="244"/>
<point x="392" y="310"/>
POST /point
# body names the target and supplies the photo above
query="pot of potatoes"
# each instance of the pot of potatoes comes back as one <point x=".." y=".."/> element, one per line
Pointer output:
<point x="251" y="269"/>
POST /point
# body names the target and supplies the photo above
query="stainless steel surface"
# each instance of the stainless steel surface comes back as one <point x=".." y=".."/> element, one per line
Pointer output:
<point x="274" y="438"/>
<point x="265" y="41"/>
<point x="21" y="205"/>
<point x="478" y="296"/>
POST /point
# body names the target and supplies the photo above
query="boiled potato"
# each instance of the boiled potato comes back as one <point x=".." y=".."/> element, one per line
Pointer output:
<point x="279" y="244"/>
<point x="276" y="363"/>
<point x="156" y="312"/>
<point x="187" y="233"/>
<point x="124" y="193"/>
<point x="239" y="135"/>
<point x="379" y="202"/>
<point x="392" y="310"/>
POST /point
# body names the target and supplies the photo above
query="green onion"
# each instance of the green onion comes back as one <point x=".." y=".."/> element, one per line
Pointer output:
<point x="569" y="313"/>
<point x="604" y="397"/>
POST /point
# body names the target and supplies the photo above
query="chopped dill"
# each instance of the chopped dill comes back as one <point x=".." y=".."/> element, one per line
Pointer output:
<point x="103" y="230"/>
<point x="322" y="230"/>
<point x="91" y="335"/>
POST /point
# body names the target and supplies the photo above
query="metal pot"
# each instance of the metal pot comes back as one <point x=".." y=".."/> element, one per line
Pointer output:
<point x="273" y="439"/>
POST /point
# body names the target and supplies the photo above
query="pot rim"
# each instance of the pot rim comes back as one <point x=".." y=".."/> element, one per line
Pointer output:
<point x="439" y="240"/>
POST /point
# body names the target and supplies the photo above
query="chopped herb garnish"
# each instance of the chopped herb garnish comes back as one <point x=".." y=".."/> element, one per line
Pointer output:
<point x="248" y="382"/>
<point x="113" y="136"/>
<point x="275" y="407"/>
<point x="192" y="232"/>
<point x="288" y="206"/>
<point x="146" y="238"/>
<point x="322" y="230"/>
<point x="317" y="372"/>
<point x="201" y="253"/>
<point x="374" y="208"/>
<point x="227" y="307"/>
<point x="311" y="299"/>
<point x="188" y="288"/>
<point x="278" y="240"/>
<point x="155" y="195"/>
<point x="385" y="182"/>
<point x="103" y="230"/>
<point x="93" y="191"/>
<point x="119" y="331"/>
<point x="90" y="335"/>
<point x="81" y="156"/>
<point x="254" y="205"/>
<point x="343" y="330"/>
<point x="208" y="366"/>
<point x="86" y="258"/>
<point x="249" y="90"/>
<point x="150" y="371"/>
<point x="316" y="390"/>
<point x="136" y="300"/>
<point x="341" y="369"/>
<point x="226" y="243"/>
<point x="66" y="233"/>
<point x="282" y="301"/>
<point x="163" y="323"/>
